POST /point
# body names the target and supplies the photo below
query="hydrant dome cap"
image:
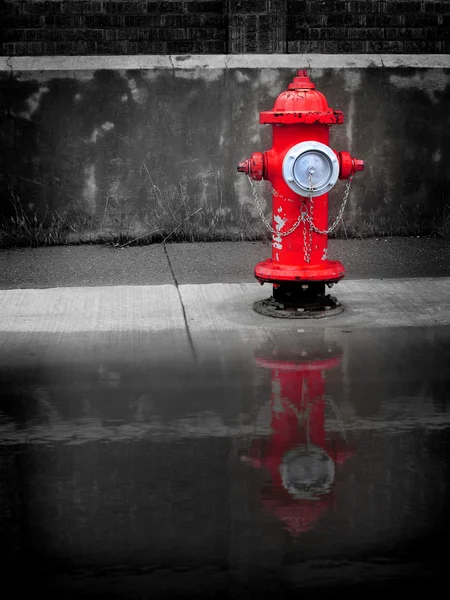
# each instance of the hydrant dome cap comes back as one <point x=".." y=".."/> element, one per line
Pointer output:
<point x="301" y="103"/>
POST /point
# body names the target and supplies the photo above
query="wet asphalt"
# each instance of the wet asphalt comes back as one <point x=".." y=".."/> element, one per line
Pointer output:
<point x="224" y="262"/>
<point x="266" y="463"/>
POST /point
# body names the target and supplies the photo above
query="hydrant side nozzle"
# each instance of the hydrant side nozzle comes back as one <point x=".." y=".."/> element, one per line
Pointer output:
<point x="348" y="165"/>
<point x="358" y="165"/>
<point x="243" y="166"/>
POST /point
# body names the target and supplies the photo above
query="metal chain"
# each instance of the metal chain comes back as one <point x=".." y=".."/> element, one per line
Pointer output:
<point x="340" y="213"/>
<point x="305" y="216"/>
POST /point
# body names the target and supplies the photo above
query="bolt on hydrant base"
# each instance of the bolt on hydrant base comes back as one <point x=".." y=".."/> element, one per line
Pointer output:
<point x="299" y="301"/>
<point x="271" y="308"/>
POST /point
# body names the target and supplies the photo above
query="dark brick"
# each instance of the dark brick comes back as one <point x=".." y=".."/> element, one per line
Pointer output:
<point x="442" y="7"/>
<point x="358" y="47"/>
<point x="343" y="19"/>
<point x="112" y="47"/>
<point x="127" y="8"/>
<point x="141" y="21"/>
<point x="70" y="21"/>
<point x="296" y="7"/>
<point x="276" y="6"/>
<point x="320" y="6"/>
<point x="83" y="35"/>
<point x="304" y="47"/>
<point x="21" y="48"/>
<point x="180" y="47"/>
<point x="134" y="35"/>
<point x="13" y="35"/>
<point x="247" y="6"/>
<point x="420" y="46"/>
<point x="165" y="7"/>
<point x="236" y="33"/>
<point x="81" y="7"/>
<point x="430" y="34"/>
<point x="52" y="35"/>
<point x="35" y="48"/>
<point x="32" y="35"/>
<point x="11" y="8"/>
<point x="389" y="47"/>
<point x="366" y="7"/>
<point x="21" y="22"/>
<point x="340" y="6"/>
<point x="204" y="7"/>
<point x="8" y="49"/>
<point x="166" y="35"/>
<point x="306" y="20"/>
<point x="382" y="20"/>
<point x="421" y="20"/>
<point x="250" y="23"/>
<point x="70" y="48"/>
<point x="210" y="47"/>
<point x="404" y="34"/>
<point x="209" y="33"/>
<point x="446" y="21"/>
<point x="207" y="19"/>
<point x="41" y="8"/>
<point x="329" y="33"/>
<point x="444" y="34"/>
<point x="428" y="6"/>
<point x="151" y="47"/>
<point x="408" y="6"/>
<point x="192" y="20"/>
<point x="103" y="21"/>
<point x="365" y="34"/>
<point x="301" y="33"/>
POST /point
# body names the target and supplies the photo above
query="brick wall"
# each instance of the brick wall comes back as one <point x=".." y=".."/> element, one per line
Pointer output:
<point x="64" y="27"/>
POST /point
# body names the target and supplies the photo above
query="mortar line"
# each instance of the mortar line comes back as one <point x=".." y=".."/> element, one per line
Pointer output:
<point x="177" y="286"/>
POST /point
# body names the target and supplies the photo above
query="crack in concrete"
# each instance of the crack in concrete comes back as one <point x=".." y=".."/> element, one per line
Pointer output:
<point x="177" y="286"/>
<point x="8" y="64"/>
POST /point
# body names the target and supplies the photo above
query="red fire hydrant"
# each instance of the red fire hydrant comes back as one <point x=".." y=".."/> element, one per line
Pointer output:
<point x="300" y="458"/>
<point x="302" y="169"/>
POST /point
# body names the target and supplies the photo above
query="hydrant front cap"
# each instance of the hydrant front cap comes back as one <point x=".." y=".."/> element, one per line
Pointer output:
<point x="310" y="168"/>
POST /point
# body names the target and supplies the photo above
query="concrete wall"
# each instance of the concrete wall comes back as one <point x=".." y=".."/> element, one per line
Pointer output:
<point x="122" y="146"/>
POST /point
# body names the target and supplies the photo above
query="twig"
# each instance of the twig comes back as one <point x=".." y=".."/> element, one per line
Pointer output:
<point x="104" y="214"/>
<point x="138" y="238"/>
<point x="181" y="223"/>
<point x="345" y="229"/>
<point x="68" y="224"/>
<point x="151" y="181"/>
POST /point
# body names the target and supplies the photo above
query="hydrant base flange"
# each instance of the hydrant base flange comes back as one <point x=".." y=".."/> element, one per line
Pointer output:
<point x="272" y="272"/>
<point x="271" y="308"/>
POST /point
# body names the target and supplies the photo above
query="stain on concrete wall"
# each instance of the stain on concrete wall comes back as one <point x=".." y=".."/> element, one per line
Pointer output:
<point x="137" y="151"/>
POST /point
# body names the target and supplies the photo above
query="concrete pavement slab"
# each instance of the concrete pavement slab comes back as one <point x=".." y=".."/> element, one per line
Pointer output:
<point x="210" y="312"/>
<point x="70" y="310"/>
<point x="62" y="266"/>
<point x="215" y="310"/>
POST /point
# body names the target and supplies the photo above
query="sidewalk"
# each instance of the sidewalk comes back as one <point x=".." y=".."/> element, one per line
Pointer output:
<point x="195" y="296"/>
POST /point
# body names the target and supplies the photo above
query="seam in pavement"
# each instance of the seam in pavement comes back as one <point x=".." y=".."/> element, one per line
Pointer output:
<point x="175" y="280"/>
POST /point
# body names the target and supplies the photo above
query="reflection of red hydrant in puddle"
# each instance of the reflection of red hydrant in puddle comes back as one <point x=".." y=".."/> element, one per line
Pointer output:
<point x="299" y="458"/>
